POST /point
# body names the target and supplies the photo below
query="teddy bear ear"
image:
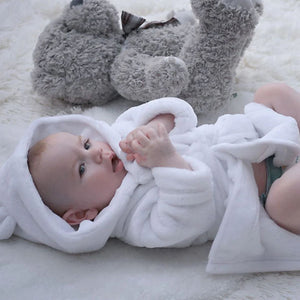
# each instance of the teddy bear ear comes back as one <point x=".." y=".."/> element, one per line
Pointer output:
<point x="76" y="2"/>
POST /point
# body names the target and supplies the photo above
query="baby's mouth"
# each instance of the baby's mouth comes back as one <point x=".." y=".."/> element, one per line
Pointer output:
<point x="115" y="162"/>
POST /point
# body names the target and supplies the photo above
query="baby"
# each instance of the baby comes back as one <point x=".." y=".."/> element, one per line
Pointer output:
<point x="83" y="174"/>
<point x="155" y="179"/>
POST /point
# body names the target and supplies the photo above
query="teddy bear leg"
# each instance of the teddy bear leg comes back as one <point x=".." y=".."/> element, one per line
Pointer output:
<point x="141" y="77"/>
<point x="244" y="4"/>
<point x="47" y="85"/>
<point x="213" y="50"/>
<point x="249" y="5"/>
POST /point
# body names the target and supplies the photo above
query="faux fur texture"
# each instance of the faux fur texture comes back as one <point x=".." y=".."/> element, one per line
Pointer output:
<point x="82" y="57"/>
<point x="31" y="271"/>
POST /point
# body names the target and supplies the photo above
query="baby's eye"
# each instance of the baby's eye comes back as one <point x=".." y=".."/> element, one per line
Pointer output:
<point x="87" y="144"/>
<point x="81" y="169"/>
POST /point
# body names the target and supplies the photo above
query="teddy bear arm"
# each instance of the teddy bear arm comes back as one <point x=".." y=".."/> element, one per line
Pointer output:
<point x="141" y="77"/>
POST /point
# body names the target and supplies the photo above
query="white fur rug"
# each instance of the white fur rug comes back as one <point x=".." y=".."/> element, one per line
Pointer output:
<point x="30" y="271"/>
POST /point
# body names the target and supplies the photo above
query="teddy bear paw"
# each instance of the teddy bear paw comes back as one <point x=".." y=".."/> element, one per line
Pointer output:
<point x="243" y="4"/>
<point x="167" y="76"/>
<point x="258" y="5"/>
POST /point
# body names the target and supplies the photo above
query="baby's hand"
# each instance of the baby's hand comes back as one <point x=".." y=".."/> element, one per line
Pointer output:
<point x="150" y="146"/>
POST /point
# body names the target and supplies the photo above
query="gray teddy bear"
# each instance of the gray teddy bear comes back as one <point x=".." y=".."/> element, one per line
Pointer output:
<point x="83" y="57"/>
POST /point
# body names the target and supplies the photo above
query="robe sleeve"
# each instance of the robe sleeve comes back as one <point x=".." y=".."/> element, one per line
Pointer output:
<point x="176" y="210"/>
<point x="185" y="118"/>
<point x="279" y="135"/>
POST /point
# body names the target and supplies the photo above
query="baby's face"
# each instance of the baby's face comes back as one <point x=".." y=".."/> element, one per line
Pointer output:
<point x="86" y="171"/>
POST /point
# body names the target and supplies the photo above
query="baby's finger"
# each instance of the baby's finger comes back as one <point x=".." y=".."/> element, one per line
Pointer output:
<point x="142" y="139"/>
<point x="136" y="146"/>
<point x="130" y="157"/>
<point x="151" y="133"/>
<point x="161" y="129"/>
<point x="125" y="147"/>
<point x="139" y="159"/>
<point x="130" y="137"/>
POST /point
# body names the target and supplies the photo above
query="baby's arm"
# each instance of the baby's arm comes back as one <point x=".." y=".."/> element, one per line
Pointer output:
<point x="151" y="146"/>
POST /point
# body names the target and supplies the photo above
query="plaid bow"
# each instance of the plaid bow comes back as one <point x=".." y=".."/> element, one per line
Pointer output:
<point x="131" y="22"/>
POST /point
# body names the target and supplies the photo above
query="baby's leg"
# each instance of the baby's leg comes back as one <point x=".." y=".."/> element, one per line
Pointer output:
<point x="281" y="98"/>
<point x="283" y="202"/>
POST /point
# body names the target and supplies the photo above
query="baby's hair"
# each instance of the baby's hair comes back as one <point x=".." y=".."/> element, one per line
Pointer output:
<point x="34" y="153"/>
<point x="33" y="160"/>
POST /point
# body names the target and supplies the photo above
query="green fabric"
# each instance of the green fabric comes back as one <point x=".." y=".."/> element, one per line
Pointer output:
<point x="273" y="173"/>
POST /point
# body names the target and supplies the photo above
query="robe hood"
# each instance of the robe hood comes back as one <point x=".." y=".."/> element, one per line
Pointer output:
<point x="246" y="239"/>
<point x="22" y="211"/>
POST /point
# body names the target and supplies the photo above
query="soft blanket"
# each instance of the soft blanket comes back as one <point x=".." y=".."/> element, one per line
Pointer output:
<point x="30" y="271"/>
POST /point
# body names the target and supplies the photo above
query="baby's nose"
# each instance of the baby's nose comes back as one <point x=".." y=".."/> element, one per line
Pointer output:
<point x="96" y="155"/>
<point x="107" y="154"/>
<point x="101" y="154"/>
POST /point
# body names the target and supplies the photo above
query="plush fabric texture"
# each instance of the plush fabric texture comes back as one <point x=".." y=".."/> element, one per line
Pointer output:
<point x="167" y="207"/>
<point x="82" y="56"/>
<point x="120" y="271"/>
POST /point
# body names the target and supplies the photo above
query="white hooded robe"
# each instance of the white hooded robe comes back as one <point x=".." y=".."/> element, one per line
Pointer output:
<point x="170" y="207"/>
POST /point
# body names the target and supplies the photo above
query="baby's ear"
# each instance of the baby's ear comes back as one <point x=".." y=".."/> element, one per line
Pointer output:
<point x="75" y="216"/>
